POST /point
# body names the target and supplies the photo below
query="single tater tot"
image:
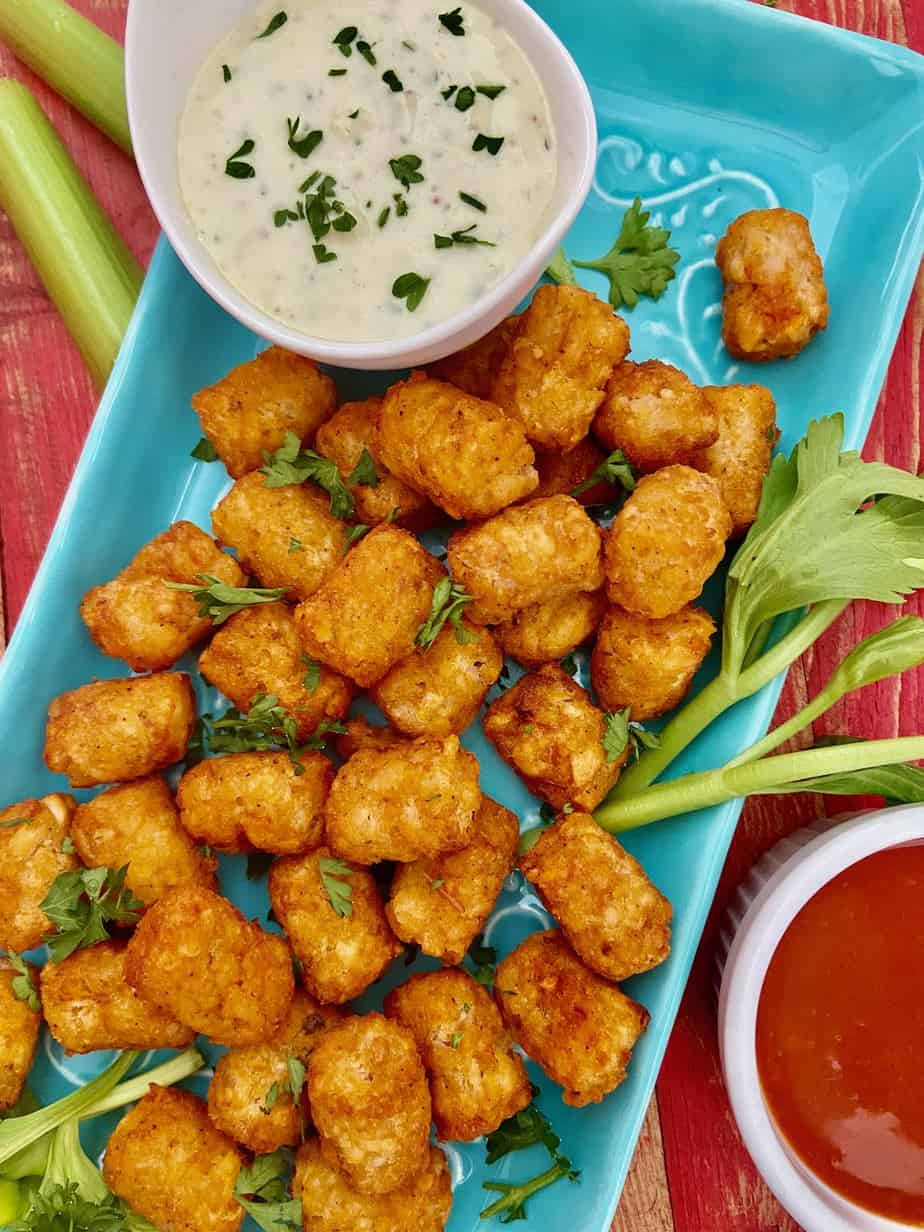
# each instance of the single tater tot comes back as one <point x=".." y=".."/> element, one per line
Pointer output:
<point x="549" y="631"/>
<point x="655" y="414"/>
<point x="476" y="1078"/>
<point x="546" y="727"/>
<point x="526" y="555"/>
<point x="579" y="1027"/>
<point x="740" y="458"/>
<point x="614" y="918"/>
<point x="465" y="454"/>
<point x="136" y="617"/>
<point x="648" y="665"/>
<point x="341" y="952"/>
<point x="666" y="542"/>
<point x="370" y="1102"/>
<point x="259" y="651"/>
<point x="195" y="956"/>
<point x="171" y="1165"/>
<point x="366" y="615"/>
<point x="415" y="799"/>
<point x="560" y="473"/>
<point x="19" y="1029"/>
<point x="250" y="411"/>
<point x="775" y="298"/>
<point x="474" y="369"/>
<point x="251" y="1098"/>
<point x="32" y="855"/>
<point x="438" y="691"/>
<point x="557" y="364"/>
<point x="362" y="735"/>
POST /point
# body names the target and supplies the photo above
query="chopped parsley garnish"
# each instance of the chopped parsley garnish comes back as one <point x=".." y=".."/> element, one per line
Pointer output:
<point x="409" y="46"/>
<point x="640" y="261"/>
<point x="312" y="677"/>
<point x="490" y="91"/>
<point x="226" y="73"/>
<point x="266" y="725"/>
<point x="364" y="471"/>
<point x="344" y="38"/>
<point x="473" y="202"/>
<point x="393" y="81"/>
<point x="569" y="665"/>
<point x="335" y="878"/>
<point x="318" y="741"/>
<point x="205" y="451"/>
<point x="484" y="961"/>
<point x="365" y="50"/>
<point x="336" y="72"/>
<point x="82" y="902"/>
<point x="275" y="24"/>
<point x="614" y="469"/>
<point x="290" y="464"/>
<point x="236" y="167"/>
<point x="353" y="114"/>
<point x="448" y="92"/>
<point x="282" y="218"/>
<point x="296" y="545"/>
<point x="354" y="535"/>
<point x="218" y="600"/>
<point x="525" y="1129"/>
<point x="453" y="22"/>
<point x="383" y="216"/>
<point x="406" y="169"/>
<point x="411" y="288"/>
<point x="17" y="821"/>
<point x="491" y="144"/>
<point x="464" y="99"/>
<point x="456" y="1039"/>
<point x="449" y="602"/>
<point x="303" y="146"/>
<point x="262" y="1190"/>
<point x="67" y="845"/>
<point x="401" y="206"/>
<point x="616" y="735"/>
<point x="462" y="237"/>
<point x="23" y="985"/>
<point x="344" y="221"/>
<point x="643" y="740"/>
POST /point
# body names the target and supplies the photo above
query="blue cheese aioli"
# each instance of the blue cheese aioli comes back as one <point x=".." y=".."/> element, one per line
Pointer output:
<point x="361" y="173"/>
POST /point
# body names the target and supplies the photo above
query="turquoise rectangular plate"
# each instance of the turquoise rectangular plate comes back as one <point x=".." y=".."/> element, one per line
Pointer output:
<point x="705" y="108"/>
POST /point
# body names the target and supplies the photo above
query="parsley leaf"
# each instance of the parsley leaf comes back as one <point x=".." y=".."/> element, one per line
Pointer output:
<point x="490" y="91"/>
<point x="569" y="665"/>
<point x="266" y="725"/>
<point x="616" y="735"/>
<point x="411" y="288"/>
<point x="335" y="878"/>
<point x="642" y="740"/>
<point x="275" y="24"/>
<point x="473" y="202"/>
<point x="364" y="471"/>
<point x="365" y="50"/>
<point x="453" y="22"/>
<point x="312" y="677"/>
<point x="449" y="602"/>
<point x="559" y="269"/>
<point x="461" y="237"/>
<point x="82" y="902"/>
<point x="226" y="73"/>
<point x="614" y="469"/>
<point x="484" y="961"/>
<point x="322" y="254"/>
<point x="61" y="1208"/>
<point x="640" y="261"/>
<point x="491" y="144"/>
<point x="406" y="169"/>
<point x="456" y="1039"/>
<point x="218" y="600"/>
<point x="291" y="464"/>
<point x="354" y="535"/>
<point x="205" y="451"/>
<point x="23" y="984"/>
<point x="512" y="1205"/>
<point x="303" y="146"/>
<point x="529" y="1127"/>
<point x="262" y="1190"/>
<point x="464" y="99"/>
<point x="393" y="81"/>
<point x="296" y="545"/>
<point x="317" y="740"/>
<point x="236" y="167"/>
<point x="337" y="72"/>
<point x="344" y="38"/>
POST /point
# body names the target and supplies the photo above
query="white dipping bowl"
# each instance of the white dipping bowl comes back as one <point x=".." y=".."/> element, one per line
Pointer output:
<point x="166" y="42"/>
<point x="776" y="890"/>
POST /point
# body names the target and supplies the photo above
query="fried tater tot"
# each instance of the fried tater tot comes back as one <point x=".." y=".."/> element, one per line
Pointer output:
<point x="557" y="364"/>
<point x="465" y="454"/>
<point x="366" y="615"/>
<point x="370" y="1102"/>
<point x="579" y="1027"/>
<point x="172" y="1166"/>
<point x="249" y="411"/>
<point x="529" y="554"/>
<point x="666" y="542"/>
<point x="614" y="918"/>
<point x="32" y="855"/>
<point x="259" y="651"/>
<point x="476" y="1078"/>
<point x="561" y="473"/>
<point x="415" y="799"/>
<point x="341" y="953"/>
<point x="548" y="631"/>
<point x="136" y="617"/>
<point x="474" y="369"/>
<point x="19" y="1029"/>
<point x="362" y="735"/>
<point x="546" y="727"/>
<point x="648" y="665"/>
<point x="655" y="414"/>
<point x="438" y="691"/>
<point x="775" y="298"/>
<point x="740" y="458"/>
<point x="251" y="1098"/>
<point x="441" y="903"/>
<point x="195" y="956"/>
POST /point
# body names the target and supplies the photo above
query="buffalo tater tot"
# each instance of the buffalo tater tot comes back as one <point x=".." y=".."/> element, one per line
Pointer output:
<point x="526" y="555"/>
<point x="740" y="459"/>
<point x="474" y="369"/>
<point x="114" y="730"/>
<point x="136" y="617"/>
<point x="441" y="903"/>
<point x="362" y="735"/>
<point x="32" y="855"/>
<point x="173" y="1167"/>
<point x="645" y="664"/>
<point x="195" y="956"/>
<point x="366" y="615"/>
<point x="333" y="915"/>
<point x="560" y="473"/>
<point x="557" y="364"/>
<point x="370" y="1102"/>
<point x="666" y="542"/>
<point x="546" y="727"/>
<point x="614" y="918"/>
<point x="416" y="799"/>
<point x="775" y="298"/>
<point x="476" y="1078"/>
<point x="19" y="1028"/>
<point x="579" y="1027"/>
<point x="250" y="411"/>
<point x="549" y="631"/>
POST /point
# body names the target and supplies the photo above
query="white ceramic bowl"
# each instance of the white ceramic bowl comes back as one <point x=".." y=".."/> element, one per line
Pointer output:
<point x="765" y="905"/>
<point x="166" y="42"/>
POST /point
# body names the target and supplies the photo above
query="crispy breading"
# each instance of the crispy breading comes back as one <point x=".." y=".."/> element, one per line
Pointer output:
<point x="362" y="735"/>
<point x="557" y="364"/>
<point x="614" y="918"/>
<point x="370" y="1102"/>
<point x="648" y="665"/>
<point x="340" y="954"/>
<point x="31" y="856"/>
<point x="441" y="903"/>
<point x="171" y="1165"/>
<point x="546" y="727"/>
<point x="775" y="298"/>
<point x="474" y="369"/>
<point x="415" y="799"/>
<point x="137" y="618"/>
<point x="666" y="542"/>
<point x="548" y="631"/>
<point x="366" y="615"/>
<point x="560" y="473"/>
<point x="476" y="1078"/>
<point x="526" y="555"/>
<point x="579" y="1027"/>
<point x="195" y="956"/>
<point x="740" y="458"/>
<point x="19" y="1032"/>
<point x="249" y="411"/>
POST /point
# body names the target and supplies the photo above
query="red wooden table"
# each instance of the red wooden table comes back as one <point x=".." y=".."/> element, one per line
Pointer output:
<point x="691" y="1173"/>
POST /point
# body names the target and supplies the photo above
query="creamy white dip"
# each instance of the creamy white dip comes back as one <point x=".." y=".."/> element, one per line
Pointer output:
<point x="318" y="180"/>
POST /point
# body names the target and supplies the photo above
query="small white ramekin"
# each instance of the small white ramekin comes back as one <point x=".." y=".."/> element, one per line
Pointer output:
<point x="777" y="888"/>
<point x="166" y="42"/>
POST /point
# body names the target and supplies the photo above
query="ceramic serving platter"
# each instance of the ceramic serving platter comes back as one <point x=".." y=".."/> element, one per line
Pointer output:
<point x="705" y="108"/>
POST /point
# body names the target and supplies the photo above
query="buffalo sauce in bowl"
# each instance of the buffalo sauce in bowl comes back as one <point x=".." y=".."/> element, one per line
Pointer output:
<point x="840" y="1034"/>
